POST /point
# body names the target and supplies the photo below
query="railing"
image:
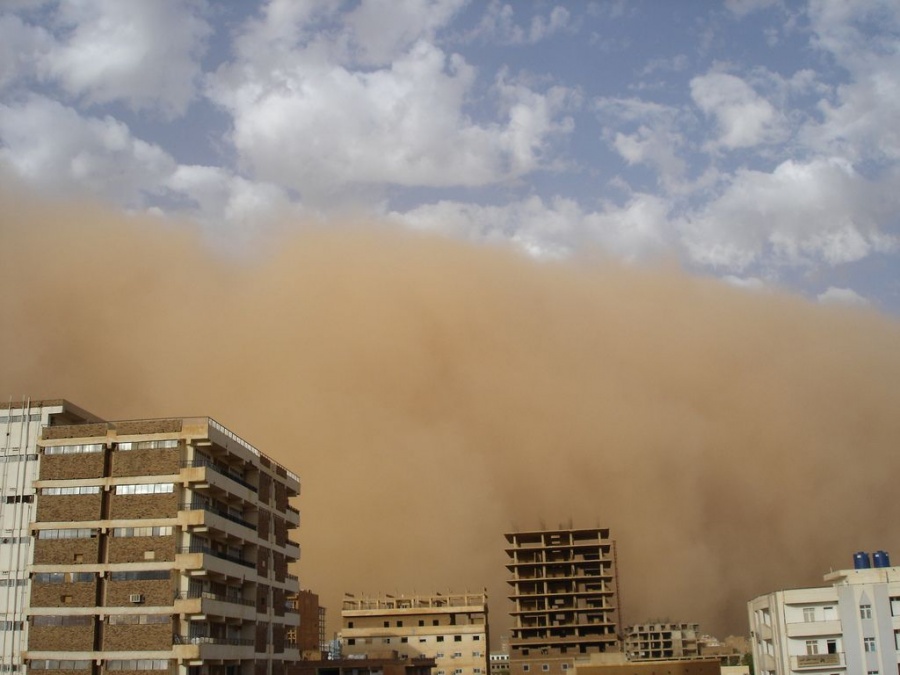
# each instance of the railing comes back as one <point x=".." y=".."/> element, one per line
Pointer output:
<point x="205" y="640"/>
<point x="212" y="508"/>
<point x="233" y="436"/>
<point x="292" y="577"/>
<point x="222" y="471"/>
<point x="200" y="548"/>
<point x="234" y="599"/>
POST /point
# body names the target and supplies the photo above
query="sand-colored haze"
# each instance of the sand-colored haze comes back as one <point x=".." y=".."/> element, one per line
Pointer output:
<point x="433" y="395"/>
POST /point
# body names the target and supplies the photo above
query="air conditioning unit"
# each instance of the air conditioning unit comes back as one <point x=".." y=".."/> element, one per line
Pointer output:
<point x="136" y="598"/>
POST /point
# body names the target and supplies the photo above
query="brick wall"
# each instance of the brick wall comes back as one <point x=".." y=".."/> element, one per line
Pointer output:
<point x="262" y="528"/>
<point x="65" y="551"/>
<point x="260" y="642"/>
<point x="163" y="462"/>
<point x="74" y="431"/>
<point x="278" y="638"/>
<point x="134" y="549"/>
<point x="156" y="593"/>
<point x="61" y="638"/>
<point x="64" y="508"/>
<point x="63" y="467"/>
<point x="142" y="427"/>
<point x="143" y="506"/>
<point x="150" y="637"/>
<point x="81" y="594"/>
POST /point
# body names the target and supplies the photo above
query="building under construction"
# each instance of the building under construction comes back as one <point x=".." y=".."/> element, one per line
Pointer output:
<point x="565" y="599"/>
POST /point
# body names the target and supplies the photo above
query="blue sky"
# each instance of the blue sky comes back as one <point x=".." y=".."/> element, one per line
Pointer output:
<point x="752" y="140"/>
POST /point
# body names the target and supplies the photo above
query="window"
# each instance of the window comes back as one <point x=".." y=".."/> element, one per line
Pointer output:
<point x="349" y="624"/>
<point x="137" y="619"/>
<point x="809" y="614"/>
<point x="421" y="622"/>
<point x="351" y="641"/>
<point x="158" y="531"/>
<point x="387" y="641"/>
<point x="565" y="666"/>
<point x="865" y="611"/>
<point x="457" y="655"/>
<point x="812" y="647"/>
<point x="476" y="637"/>
<point x="73" y="449"/>
<point x="145" y="575"/>
<point x="457" y="638"/>
<point x="63" y="620"/>
<point x="87" y="490"/>
<point x="137" y="664"/>
<point x="869" y="644"/>
<point x="439" y="655"/>
<point x="145" y="489"/>
<point x="47" y="664"/>
<point x="440" y="638"/>
<point x="387" y="623"/>
<point x="72" y="533"/>
<point x="526" y="667"/>
<point x="147" y="445"/>
<point x="404" y="640"/>
<point x="399" y="624"/>
<point x="545" y="667"/>
<point x="435" y="622"/>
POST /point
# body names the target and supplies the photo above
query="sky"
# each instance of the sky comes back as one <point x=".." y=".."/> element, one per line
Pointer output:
<point x="753" y="141"/>
<point x="485" y="265"/>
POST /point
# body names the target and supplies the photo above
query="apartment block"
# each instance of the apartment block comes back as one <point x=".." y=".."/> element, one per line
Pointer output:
<point x="656" y="641"/>
<point x="452" y="629"/>
<point x="310" y="634"/>
<point x="160" y="545"/>
<point x="564" y="595"/>
<point x="850" y="626"/>
<point x="20" y="428"/>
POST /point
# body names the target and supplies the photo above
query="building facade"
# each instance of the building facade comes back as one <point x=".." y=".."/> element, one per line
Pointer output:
<point x="310" y="634"/>
<point x="160" y="545"/>
<point x="565" y="600"/>
<point x="20" y="429"/>
<point x="452" y="629"/>
<point x="851" y="626"/>
<point x="654" y="641"/>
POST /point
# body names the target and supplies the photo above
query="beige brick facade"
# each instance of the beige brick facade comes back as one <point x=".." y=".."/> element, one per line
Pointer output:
<point x="129" y="507"/>
<point x="127" y="638"/>
<point x="65" y="551"/>
<point x="80" y="594"/>
<point x="65" y="508"/>
<point x="139" y="549"/>
<point x="155" y="593"/>
<point x="68" y="467"/>
<point x="164" y="462"/>
<point x="61" y="638"/>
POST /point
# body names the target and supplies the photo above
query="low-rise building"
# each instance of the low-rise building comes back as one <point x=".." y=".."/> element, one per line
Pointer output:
<point x="657" y="641"/>
<point x="450" y="628"/>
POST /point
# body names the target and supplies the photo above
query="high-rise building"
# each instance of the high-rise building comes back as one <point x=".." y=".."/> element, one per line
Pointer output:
<point x="565" y="600"/>
<point x="160" y="545"/>
<point x="452" y="629"/>
<point x="851" y="626"/>
<point x="310" y="634"/>
<point x="653" y="641"/>
<point x="20" y="428"/>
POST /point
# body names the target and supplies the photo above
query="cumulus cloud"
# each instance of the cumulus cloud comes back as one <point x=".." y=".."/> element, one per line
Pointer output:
<point x="818" y="212"/>
<point x="144" y="54"/>
<point x="744" y="118"/>
<point x="54" y="148"/>
<point x="20" y="46"/>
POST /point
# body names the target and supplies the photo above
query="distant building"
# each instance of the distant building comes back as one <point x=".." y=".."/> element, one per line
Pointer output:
<point x="393" y="665"/>
<point x="310" y="635"/>
<point x="565" y="598"/>
<point x="851" y="626"/>
<point x="20" y="430"/>
<point x="452" y="629"/>
<point x="656" y="641"/>
<point x="499" y="663"/>
<point x="160" y="545"/>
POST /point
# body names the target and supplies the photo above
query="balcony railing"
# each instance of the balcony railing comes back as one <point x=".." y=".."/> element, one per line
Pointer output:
<point x="234" y="599"/>
<point x="219" y="470"/>
<point x="212" y="508"/>
<point x="201" y="548"/>
<point x="206" y="640"/>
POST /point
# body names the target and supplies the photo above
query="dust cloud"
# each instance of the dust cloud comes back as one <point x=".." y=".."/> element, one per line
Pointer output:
<point x="433" y="395"/>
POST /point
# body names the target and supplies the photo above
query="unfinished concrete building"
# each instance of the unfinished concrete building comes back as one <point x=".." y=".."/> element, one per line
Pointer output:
<point x="656" y="641"/>
<point x="565" y="602"/>
<point x="160" y="545"/>
<point x="452" y="629"/>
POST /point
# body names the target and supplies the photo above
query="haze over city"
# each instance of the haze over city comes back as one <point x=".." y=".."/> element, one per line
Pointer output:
<point x="475" y="267"/>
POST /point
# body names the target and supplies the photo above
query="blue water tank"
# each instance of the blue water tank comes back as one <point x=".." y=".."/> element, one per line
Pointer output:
<point x="861" y="561"/>
<point x="881" y="559"/>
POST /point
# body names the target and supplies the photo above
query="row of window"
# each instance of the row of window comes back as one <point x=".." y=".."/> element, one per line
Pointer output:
<point x="62" y="620"/>
<point x="63" y="577"/>
<point x="113" y="664"/>
<point x="422" y="640"/>
<point x="19" y="499"/>
<point x="4" y="459"/>
<point x="15" y="540"/>
<point x="137" y="619"/>
<point x="81" y="449"/>
<point x="13" y="582"/>
<point x="545" y="667"/>
<point x="34" y="417"/>
<point x="80" y="490"/>
<point x="148" y="445"/>
<point x="69" y="533"/>
<point x="145" y="489"/>
<point x="10" y="625"/>
<point x="157" y="531"/>
<point x="54" y="664"/>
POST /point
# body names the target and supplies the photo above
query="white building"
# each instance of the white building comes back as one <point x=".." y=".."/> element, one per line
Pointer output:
<point x="851" y="626"/>
<point x="20" y="428"/>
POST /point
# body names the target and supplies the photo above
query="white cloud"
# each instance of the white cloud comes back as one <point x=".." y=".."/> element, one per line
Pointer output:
<point x="145" y="54"/>
<point x="743" y="7"/>
<point x="841" y="296"/>
<point x="55" y="149"/>
<point x="498" y="24"/>
<point x="20" y="46"/>
<point x="819" y="212"/>
<point x="744" y="118"/>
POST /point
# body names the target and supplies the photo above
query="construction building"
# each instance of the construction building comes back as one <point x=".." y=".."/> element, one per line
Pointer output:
<point x="657" y="641"/>
<point x="565" y="600"/>
<point x="20" y="429"/>
<point x="851" y="626"/>
<point x="160" y="545"/>
<point x="452" y="629"/>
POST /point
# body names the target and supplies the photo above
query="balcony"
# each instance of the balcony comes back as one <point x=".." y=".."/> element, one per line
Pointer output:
<point x="222" y="471"/>
<point x="203" y="603"/>
<point x="193" y="647"/>
<point x="817" y="661"/>
<point x="198" y="505"/>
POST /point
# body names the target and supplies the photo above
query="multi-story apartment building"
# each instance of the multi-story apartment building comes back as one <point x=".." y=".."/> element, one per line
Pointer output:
<point x="564" y="595"/>
<point x="653" y="641"/>
<point x="851" y="626"/>
<point x="310" y="634"/>
<point x="160" y="545"/>
<point x="20" y="428"/>
<point x="452" y="629"/>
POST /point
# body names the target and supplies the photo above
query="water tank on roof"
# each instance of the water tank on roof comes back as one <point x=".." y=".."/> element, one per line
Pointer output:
<point x="861" y="561"/>
<point x="881" y="559"/>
